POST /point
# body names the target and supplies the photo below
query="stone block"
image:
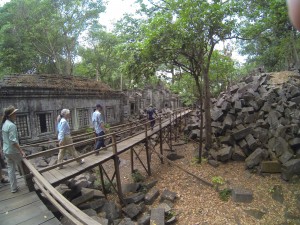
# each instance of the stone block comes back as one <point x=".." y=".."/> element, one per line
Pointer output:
<point x="240" y="134"/>
<point x="132" y="187"/>
<point x="157" y="216"/>
<point x="132" y="210"/>
<point x="151" y="196"/>
<point x="270" y="167"/>
<point x="242" y="195"/>
<point x="134" y="198"/>
<point x="84" y="198"/>
<point x="168" y="195"/>
<point x="144" y="220"/>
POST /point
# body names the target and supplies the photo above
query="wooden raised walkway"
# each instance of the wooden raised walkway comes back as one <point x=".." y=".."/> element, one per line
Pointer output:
<point x="23" y="207"/>
<point x="70" y="170"/>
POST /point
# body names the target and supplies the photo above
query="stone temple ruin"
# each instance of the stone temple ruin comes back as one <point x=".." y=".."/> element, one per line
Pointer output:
<point x="258" y="120"/>
<point x="41" y="97"/>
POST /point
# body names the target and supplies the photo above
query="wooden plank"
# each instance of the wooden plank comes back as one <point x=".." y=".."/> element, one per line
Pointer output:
<point x="41" y="218"/>
<point x="53" y="221"/>
<point x="22" y="214"/>
<point x="8" y="195"/>
<point x="49" y="177"/>
<point x="19" y="201"/>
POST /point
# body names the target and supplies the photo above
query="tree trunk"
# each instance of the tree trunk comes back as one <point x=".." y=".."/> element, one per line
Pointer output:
<point x="208" y="129"/>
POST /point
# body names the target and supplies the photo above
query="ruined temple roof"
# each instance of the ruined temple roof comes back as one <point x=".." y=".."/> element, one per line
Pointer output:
<point x="53" y="81"/>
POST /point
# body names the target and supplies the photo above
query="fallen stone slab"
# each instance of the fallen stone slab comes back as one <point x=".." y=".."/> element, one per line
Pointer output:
<point x="132" y="210"/>
<point x="97" y="193"/>
<point x="242" y="195"/>
<point x="168" y="195"/>
<point x="132" y="187"/>
<point x="157" y="216"/>
<point x="134" y="198"/>
<point x="84" y="198"/>
<point x="151" y="196"/>
<point x="270" y="167"/>
<point x="255" y="158"/>
<point x="144" y="220"/>
<point x="240" y="134"/>
<point x="290" y="168"/>
<point x="126" y="221"/>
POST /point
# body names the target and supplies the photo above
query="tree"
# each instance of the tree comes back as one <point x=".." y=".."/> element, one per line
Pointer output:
<point x="268" y="37"/>
<point x="42" y="36"/>
<point x="100" y="57"/>
<point x="184" y="34"/>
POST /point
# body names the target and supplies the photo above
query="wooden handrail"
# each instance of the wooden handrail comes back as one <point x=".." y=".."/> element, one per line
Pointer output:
<point x="59" y="198"/>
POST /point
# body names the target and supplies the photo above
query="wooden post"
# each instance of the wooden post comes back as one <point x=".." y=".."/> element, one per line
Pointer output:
<point x="160" y="141"/>
<point x="28" y="177"/>
<point x="102" y="180"/>
<point x="147" y="150"/>
<point x="117" y="169"/>
<point x="131" y="158"/>
<point x="170" y="132"/>
<point x="175" y="126"/>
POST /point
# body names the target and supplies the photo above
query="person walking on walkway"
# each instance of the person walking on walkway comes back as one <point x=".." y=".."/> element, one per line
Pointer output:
<point x="98" y="124"/>
<point x="64" y="138"/>
<point x="150" y="112"/>
<point x="11" y="148"/>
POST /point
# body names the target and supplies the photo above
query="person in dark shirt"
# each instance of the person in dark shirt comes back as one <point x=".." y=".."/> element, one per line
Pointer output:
<point x="150" y="112"/>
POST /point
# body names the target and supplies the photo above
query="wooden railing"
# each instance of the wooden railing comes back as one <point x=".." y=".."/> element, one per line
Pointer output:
<point x="70" y="211"/>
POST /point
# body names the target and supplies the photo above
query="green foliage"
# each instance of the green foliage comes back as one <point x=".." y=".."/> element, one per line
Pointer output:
<point x="225" y="194"/>
<point x="137" y="176"/>
<point x="269" y="38"/>
<point x="217" y="180"/>
<point x="42" y="36"/>
<point x="89" y="130"/>
<point x="195" y="160"/>
<point x="169" y="215"/>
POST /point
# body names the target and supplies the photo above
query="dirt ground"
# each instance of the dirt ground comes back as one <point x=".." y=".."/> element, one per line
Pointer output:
<point x="199" y="204"/>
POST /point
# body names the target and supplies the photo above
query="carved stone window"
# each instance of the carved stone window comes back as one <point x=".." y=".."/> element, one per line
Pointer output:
<point x="110" y="113"/>
<point x="22" y="125"/>
<point x="83" y="117"/>
<point x="44" y="122"/>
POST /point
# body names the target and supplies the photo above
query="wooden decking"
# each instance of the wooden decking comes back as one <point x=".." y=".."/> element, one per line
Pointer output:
<point x="56" y="176"/>
<point x="23" y="207"/>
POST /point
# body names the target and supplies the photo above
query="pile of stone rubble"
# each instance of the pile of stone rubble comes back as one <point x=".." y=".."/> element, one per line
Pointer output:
<point x="136" y="209"/>
<point x="257" y="120"/>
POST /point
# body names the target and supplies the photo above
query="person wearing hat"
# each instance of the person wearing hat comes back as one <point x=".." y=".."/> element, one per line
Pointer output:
<point x="98" y="124"/>
<point x="64" y="138"/>
<point x="11" y="148"/>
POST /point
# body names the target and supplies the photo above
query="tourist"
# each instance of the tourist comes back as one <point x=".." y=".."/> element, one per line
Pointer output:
<point x="150" y="112"/>
<point x="294" y="12"/>
<point x="64" y="138"/>
<point x="98" y="124"/>
<point x="11" y="148"/>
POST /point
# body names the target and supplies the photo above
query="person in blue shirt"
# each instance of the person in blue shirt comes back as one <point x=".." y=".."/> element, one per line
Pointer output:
<point x="150" y="112"/>
<point x="64" y="138"/>
<point x="98" y="124"/>
<point x="11" y="148"/>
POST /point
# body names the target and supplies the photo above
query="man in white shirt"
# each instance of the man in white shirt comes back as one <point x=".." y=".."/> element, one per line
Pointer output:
<point x="99" y="129"/>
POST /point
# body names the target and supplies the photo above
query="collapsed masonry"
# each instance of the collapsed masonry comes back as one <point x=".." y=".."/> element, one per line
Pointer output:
<point x="258" y="120"/>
